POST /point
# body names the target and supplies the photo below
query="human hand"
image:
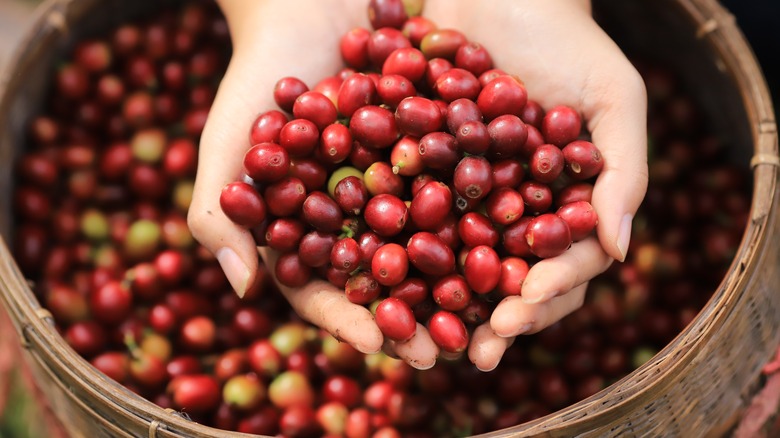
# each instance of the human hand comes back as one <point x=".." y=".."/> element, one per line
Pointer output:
<point x="564" y="58"/>
<point x="272" y="40"/>
<point x="269" y="44"/>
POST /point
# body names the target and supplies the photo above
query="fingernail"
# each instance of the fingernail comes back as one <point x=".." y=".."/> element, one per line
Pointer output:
<point x="523" y="328"/>
<point x="624" y="236"/>
<point x="519" y="331"/>
<point x="538" y="298"/>
<point x="235" y="270"/>
<point x="421" y="365"/>
<point x="365" y="350"/>
<point x="449" y="355"/>
<point x="488" y="369"/>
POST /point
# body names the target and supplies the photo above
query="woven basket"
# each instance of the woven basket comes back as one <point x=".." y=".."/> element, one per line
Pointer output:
<point x="695" y="386"/>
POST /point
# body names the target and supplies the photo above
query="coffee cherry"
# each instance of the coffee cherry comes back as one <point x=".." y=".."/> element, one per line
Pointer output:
<point x="287" y="90"/>
<point x="373" y="126"/>
<point x="482" y="269"/>
<point x="380" y="178"/>
<point x="405" y="157"/>
<point x="537" y="196"/>
<point x="448" y="332"/>
<point x="197" y="393"/>
<point x="321" y="212"/>
<point x="285" y="197"/>
<point x="546" y="163"/>
<point x="508" y="135"/>
<point x="351" y="195"/>
<point x="457" y="83"/>
<point x="393" y="89"/>
<point x="438" y="150"/>
<point x="411" y="290"/>
<point x="408" y="62"/>
<point x="561" y="125"/>
<point x="473" y="178"/>
<point x="345" y="255"/>
<point x="386" y="214"/>
<point x="390" y="264"/>
<point x="580" y="217"/>
<point x="315" y="248"/>
<point x="548" y="235"/>
<point x="474" y="58"/>
<point x="266" y="162"/>
<point x="442" y="43"/>
<point x="355" y="92"/>
<point x="473" y="137"/>
<point x="242" y="204"/>
<point x="244" y="392"/>
<point x="315" y="107"/>
<point x="354" y="47"/>
<point x="417" y="116"/>
<point x="513" y="273"/>
<point x="503" y="95"/>
<point x="504" y="206"/>
<point x="291" y="271"/>
<point x="451" y="292"/>
<point x="513" y="238"/>
<point x="362" y="288"/>
<point x="386" y="13"/>
<point x="395" y="319"/>
<point x="335" y="143"/>
<point x="299" y="137"/>
<point x="583" y="159"/>
<point x="383" y="42"/>
<point x="430" y="205"/>
<point x="428" y="253"/>
<point x="475" y="229"/>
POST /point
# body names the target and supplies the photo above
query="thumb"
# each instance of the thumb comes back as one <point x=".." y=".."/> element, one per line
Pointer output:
<point x="619" y="129"/>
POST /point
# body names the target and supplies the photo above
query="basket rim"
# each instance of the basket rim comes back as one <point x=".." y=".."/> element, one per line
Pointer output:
<point x="27" y="315"/>
<point x="721" y="32"/>
<point x="715" y="24"/>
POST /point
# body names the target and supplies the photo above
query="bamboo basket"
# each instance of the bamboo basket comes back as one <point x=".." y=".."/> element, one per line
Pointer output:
<point x="696" y="386"/>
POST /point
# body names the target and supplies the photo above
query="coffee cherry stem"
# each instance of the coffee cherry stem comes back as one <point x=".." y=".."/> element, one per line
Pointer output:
<point x="132" y="345"/>
<point x="346" y="232"/>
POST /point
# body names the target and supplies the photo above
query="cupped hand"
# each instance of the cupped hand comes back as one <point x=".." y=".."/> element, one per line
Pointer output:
<point x="271" y="40"/>
<point x="564" y="58"/>
<point x="553" y="45"/>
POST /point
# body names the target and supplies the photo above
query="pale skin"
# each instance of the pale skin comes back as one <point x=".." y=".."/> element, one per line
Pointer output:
<point x="562" y="56"/>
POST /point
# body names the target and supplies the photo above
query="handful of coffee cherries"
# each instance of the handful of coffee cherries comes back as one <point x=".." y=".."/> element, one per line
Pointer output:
<point x="420" y="178"/>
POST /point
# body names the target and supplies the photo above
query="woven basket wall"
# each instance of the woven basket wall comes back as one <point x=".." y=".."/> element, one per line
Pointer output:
<point x="696" y="386"/>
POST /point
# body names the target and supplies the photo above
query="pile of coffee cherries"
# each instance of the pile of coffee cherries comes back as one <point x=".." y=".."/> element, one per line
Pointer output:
<point x="420" y="179"/>
<point x="100" y="200"/>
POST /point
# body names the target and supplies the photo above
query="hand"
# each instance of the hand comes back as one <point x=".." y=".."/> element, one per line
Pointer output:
<point x="271" y="40"/>
<point x="563" y="57"/>
<point x="269" y="44"/>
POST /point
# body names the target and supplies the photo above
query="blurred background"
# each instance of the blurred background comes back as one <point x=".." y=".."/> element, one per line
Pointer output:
<point x="21" y="417"/>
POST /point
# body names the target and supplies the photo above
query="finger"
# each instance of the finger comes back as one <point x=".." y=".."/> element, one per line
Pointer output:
<point x="618" y="125"/>
<point x="325" y="306"/>
<point x="222" y="148"/>
<point x="264" y="52"/>
<point x="558" y="275"/>
<point x="450" y="355"/>
<point x="487" y="348"/>
<point x="420" y="351"/>
<point x="513" y="316"/>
